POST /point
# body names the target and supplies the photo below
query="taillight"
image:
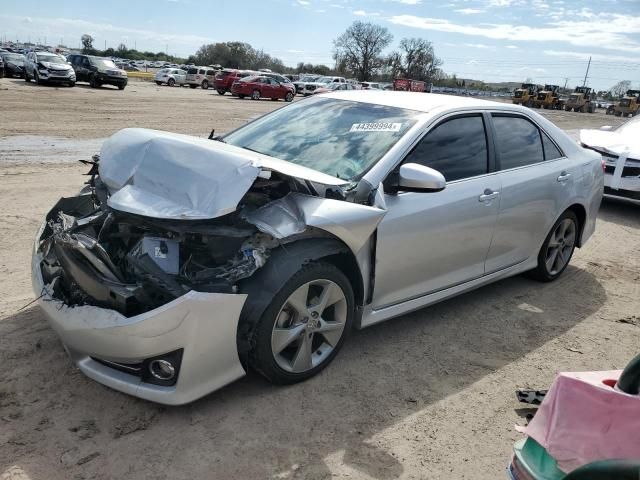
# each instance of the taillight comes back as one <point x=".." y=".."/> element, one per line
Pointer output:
<point x="604" y="165"/>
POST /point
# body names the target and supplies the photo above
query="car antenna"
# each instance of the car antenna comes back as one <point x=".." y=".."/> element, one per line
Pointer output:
<point x="212" y="134"/>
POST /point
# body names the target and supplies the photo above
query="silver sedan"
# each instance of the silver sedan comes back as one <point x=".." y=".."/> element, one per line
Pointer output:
<point x="187" y="261"/>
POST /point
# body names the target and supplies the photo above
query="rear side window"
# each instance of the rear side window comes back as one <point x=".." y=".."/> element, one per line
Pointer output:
<point x="192" y="71"/>
<point x="211" y="72"/>
<point x="201" y="71"/>
<point x="551" y="152"/>
<point x="457" y="148"/>
<point x="518" y="141"/>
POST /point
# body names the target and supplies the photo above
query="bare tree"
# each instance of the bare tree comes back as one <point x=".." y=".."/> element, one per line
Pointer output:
<point x="360" y="47"/>
<point x="87" y="43"/>
<point x="420" y="61"/>
<point x="620" y="88"/>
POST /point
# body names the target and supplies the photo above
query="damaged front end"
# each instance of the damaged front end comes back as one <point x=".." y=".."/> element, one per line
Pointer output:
<point x="95" y="255"/>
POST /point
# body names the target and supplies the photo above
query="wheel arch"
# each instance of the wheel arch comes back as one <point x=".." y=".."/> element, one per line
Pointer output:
<point x="581" y="213"/>
<point x="282" y="264"/>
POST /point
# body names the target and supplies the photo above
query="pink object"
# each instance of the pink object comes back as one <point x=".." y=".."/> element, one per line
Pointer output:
<point x="583" y="419"/>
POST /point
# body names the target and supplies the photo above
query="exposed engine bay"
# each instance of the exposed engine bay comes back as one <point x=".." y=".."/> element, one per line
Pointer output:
<point x="94" y="254"/>
<point x="163" y="214"/>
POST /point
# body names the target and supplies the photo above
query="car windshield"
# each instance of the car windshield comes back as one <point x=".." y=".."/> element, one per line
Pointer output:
<point x="50" y="59"/>
<point x="13" y="57"/>
<point x="104" y="62"/>
<point x="337" y="137"/>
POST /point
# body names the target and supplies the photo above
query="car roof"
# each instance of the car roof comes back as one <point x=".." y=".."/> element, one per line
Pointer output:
<point x="422" y="102"/>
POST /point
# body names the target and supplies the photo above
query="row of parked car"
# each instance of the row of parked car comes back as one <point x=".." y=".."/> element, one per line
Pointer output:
<point x="47" y="67"/>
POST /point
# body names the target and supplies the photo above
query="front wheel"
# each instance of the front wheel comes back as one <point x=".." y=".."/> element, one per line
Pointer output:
<point x="36" y="77"/>
<point x="171" y="82"/>
<point x="72" y="84"/>
<point x="93" y="82"/>
<point x="255" y="95"/>
<point x="27" y="78"/>
<point x="205" y="85"/>
<point x="557" y="249"/>
<point x="305" y="325"/>
<point x="288" y="97"/>
<point x="193" y="86"/>
<point x="221" y="92"/>
<point x="158" y="83"/>
<point x="121" y="87"/>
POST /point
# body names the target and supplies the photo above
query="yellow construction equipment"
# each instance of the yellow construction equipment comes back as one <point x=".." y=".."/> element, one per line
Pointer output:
<point x="581" y="100"/>
<point x="525" y="94"/>
<point x="549" y="98"/>
<point x="629" y="105"/>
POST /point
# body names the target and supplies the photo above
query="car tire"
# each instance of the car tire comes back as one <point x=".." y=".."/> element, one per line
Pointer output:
<point x="193" y="86"/>
<point x="36" y="77"/>
<point x="205" y="85"/>
<point x="304" y="345"/>
<point x="26" y="77"/>
<point x="289" y="97"/>
<point x="121" y="87"/>
<point x="71" y="84"/>
<point x="557" y="249"/>
<point x="158" y="83"/>
<point x="221" y="92"/>
<point x="93" y="82"/>
<point x="171" y="82"/>
<point x="255" y="95"/>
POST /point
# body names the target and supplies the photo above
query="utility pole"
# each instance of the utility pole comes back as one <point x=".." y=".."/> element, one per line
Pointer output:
<point x="105" y="44"/>
<point x="566" y="79"/>
<point x="584" y="84"/>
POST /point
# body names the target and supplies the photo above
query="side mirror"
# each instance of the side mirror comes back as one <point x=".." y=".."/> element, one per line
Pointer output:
<point x="414" y="177"/>
<point x="606" y="128"/>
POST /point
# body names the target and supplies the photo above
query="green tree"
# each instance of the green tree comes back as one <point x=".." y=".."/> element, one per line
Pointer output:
<point x="87" y="44"/>
<point x="359" y="49"/>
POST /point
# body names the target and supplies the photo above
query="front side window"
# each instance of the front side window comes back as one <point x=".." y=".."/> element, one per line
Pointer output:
<point x="457" y="148"/>
<point x="337" y="137"/>
<point x="518" y="141"/>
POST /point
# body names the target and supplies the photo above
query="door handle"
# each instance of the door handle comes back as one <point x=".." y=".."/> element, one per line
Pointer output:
<point x="488" y="195"/>
<point x="564" y="176"/>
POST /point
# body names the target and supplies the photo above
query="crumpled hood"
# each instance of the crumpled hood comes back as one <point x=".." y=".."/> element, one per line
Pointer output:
<point x="612" y="142"/>
<point x="168" y="175"/>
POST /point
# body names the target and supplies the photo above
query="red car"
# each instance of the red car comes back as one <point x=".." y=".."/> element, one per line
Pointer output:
<point x="258" y="87"/>
<point x="225" y="79"/>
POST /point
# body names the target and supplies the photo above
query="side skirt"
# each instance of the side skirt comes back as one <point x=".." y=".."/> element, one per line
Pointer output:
<point x="371" y="316"/>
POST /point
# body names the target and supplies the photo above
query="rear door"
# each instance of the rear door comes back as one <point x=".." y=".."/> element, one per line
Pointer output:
<point x="537" y="182"/>
<point x="431" y="241"/>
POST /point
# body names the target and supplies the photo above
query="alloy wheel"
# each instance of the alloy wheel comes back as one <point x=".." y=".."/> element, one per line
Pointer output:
<point x="560" y="246"/>
<point x="309" y="326"/>
<point x="255" y="95"/>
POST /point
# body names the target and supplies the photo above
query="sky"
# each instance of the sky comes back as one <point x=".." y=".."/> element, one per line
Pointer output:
<point x="546" y="41"/>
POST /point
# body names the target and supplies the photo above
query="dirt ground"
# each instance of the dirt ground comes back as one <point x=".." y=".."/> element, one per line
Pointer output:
<point x="429" y="395"/>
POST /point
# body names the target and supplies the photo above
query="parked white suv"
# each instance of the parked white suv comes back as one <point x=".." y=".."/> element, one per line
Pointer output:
<point x="203" y="77"/>
<point x="322" y="82"/>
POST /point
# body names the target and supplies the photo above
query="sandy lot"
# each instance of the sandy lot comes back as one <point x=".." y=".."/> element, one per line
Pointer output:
<point x="429" y="395"/>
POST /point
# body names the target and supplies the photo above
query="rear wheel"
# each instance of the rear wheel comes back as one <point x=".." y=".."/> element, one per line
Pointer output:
<point x="305" y="325"/>
<point x="221" y="92"/>
<point x="158" y="83"/>
<point x="171" y="82"/>
<point x="240" y="96"/>
<point x="205" y="85"/>
<point x="193" y="86"/>
<point x="27" y="78"/>
<point x="72" y="84"/>
<point x="121" y="87"/>
<point x="255" y="95"/>
<point x="36" y="77"/>
<point x="557" y="249"/>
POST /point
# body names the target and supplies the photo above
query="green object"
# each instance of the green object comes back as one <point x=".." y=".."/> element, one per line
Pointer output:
<point x="536" y="461"/>
<point x="629" y="381"/>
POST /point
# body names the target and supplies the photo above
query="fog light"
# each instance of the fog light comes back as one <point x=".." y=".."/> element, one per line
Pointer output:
<point x="162" y="370"/>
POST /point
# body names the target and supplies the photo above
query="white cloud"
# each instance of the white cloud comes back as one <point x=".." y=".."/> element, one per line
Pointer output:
<point x="362" y="13"/>
<point x="594" y="56"/>
<point x="71" y="29"/>
<point x="476" y="45"/>
<point x="335" y="5"/>
<point x="303" y="2"/>
<point x="511" y="46"/>
<point x="469" y="11"/>
<point x="408" y="2"/>
<point x="610" y="31"/>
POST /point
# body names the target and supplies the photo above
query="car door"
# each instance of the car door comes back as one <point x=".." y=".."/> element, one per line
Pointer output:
<point x="537" y="180"/>
<point x="277" y="90"/>
<point x="431" y="241"/>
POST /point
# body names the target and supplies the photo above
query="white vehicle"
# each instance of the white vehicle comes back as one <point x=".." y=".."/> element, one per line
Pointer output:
<point x="171" y="77"/>
<point x="322" y="82"/>
<point x="370" y="86"/>
<point x="203" y="77"/>
<point x="299" y="84"/>
<point x="620" y="150"/>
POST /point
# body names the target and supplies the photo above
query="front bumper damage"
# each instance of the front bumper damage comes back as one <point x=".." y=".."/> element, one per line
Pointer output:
<point x="203" y="325"/>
